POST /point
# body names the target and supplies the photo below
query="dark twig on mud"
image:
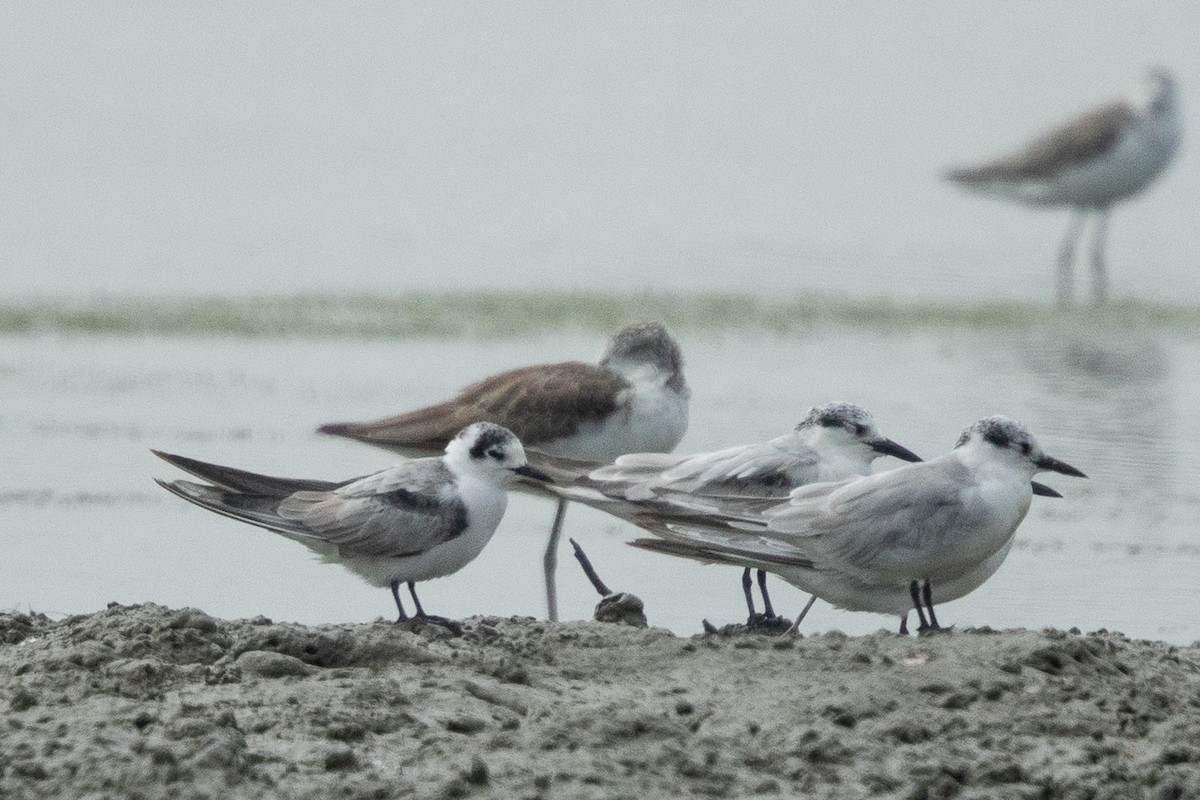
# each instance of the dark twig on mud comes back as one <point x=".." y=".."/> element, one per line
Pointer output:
<point x="589" y="570"/>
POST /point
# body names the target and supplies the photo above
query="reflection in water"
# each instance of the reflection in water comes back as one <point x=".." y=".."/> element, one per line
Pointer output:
<point x="1108" y="389"/>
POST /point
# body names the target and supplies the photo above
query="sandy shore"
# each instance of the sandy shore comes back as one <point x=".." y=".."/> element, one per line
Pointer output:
<point x="149" y="702"/>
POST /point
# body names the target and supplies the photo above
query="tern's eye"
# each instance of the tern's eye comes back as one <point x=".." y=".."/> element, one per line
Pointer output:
<point x="1025" y="448"/>
<point x="496" y="454"/>
<point x="859" y="429"/>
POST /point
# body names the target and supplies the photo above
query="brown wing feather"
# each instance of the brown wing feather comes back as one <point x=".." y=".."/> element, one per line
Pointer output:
<point x="539" y="404"/>
<point x="1079" y="140"/>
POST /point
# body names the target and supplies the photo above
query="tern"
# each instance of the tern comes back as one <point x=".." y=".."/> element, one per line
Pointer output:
<point x="422" y="519"/>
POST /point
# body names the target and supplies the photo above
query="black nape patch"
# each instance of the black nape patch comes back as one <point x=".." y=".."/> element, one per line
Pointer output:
<point x="488" y="439"/>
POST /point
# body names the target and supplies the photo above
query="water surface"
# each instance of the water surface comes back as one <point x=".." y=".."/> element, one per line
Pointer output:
<point x="84" y="524"/>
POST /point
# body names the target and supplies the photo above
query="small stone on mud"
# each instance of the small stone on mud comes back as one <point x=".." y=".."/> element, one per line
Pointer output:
<point x="268" y="664"/>
<point x="623" y="608"/>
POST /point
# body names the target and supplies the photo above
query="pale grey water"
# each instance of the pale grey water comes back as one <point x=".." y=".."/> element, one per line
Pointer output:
<point x="779" y="149"/>
<point x="84" y="524"/>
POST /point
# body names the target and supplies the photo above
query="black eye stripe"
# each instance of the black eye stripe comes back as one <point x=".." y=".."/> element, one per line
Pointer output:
<point x="486" y="440"/>
<point x="997" y="437"/>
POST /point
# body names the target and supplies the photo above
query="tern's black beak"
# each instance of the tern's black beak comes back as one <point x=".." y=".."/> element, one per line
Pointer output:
<point x="1046" y="462"/>
<point x="889" y="448"/>
<point x="1044" y="490"/>
<point x="530" y="472"/>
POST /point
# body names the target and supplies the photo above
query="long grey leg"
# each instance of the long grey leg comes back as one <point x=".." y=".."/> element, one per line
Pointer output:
<point x="550" y="561"/>
<point x="1064" y="279"/>
<point x="1099" y="265"/>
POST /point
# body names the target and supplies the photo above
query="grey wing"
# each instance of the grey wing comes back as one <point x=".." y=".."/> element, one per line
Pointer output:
<point x="240" y="480"/>
<point x="719" y="544"/>
<point x="874" y="522"/>
<point x="764" y="469"/>
<point x="399" y="512"/>
<point x="1079" y="140"/>
<point x="631" y="476"/>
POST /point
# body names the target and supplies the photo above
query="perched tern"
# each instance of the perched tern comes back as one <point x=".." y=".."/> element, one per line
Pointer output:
<point x="422" y="519"/>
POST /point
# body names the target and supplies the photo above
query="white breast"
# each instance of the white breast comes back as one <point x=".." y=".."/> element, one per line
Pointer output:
<point x="652" y="418"/>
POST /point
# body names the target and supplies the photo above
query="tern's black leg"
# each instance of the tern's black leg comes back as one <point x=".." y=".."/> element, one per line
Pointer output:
<point x="915" y="591"/>
<point x="412" y="589"/>
<point x="904" y="624"/>
<point x="399" y="605"/>
<point x="748" y="588"/>
<point x="448" y="624"/>
<point x="768" y="611"/>
<point x="927" y="594"/>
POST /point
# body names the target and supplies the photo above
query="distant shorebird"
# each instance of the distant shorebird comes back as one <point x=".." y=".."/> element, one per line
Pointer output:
<point x="888" y="542"/>
<point x="634" y="400"/>
<point x="833" y="442"/>
<point x="1089" y="163"/>
<point x="421" y="519"/>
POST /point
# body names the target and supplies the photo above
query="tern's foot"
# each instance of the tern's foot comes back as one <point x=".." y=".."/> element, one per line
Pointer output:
<point x="933" y="630"/>
<point x="429" y="619"/>
<point x="768" y="623"/>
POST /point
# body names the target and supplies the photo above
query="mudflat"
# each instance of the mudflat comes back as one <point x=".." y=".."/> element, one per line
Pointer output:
<point x="150" y="702"/>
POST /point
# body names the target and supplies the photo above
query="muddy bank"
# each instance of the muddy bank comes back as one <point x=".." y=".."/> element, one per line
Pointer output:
<point x="149" y="702"/>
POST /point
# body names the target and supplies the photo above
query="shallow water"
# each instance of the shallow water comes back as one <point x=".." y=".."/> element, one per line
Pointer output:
<point x="83" y="524"/>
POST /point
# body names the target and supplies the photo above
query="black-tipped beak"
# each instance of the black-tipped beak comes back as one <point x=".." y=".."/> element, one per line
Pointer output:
<point x="1046" y="462"/>
<point x="1044" y="490"/>
<point x="527" y="471"/>
<point x="887" y="447"/>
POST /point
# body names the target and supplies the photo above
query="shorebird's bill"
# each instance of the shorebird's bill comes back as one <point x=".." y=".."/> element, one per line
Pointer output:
<point x="532" y="472"/>
<point x="889" y="448"/>
<point x="1053" y="464"/>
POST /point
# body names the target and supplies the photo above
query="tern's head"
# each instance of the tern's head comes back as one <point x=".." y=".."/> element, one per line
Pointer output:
<point x="490" y="451"/>
<point x="1006" y="439"/>
<point x="643" y="344"/>
<point x="846" y="425"/>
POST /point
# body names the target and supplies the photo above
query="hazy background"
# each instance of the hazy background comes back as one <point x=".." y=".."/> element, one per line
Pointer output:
<point x="268" y="147"/>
